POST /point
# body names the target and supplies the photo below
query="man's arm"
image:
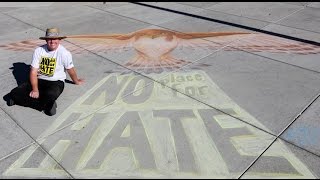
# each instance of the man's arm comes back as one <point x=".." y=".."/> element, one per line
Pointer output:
<point x="72" y="73"/>
<point x="34" y="82"/>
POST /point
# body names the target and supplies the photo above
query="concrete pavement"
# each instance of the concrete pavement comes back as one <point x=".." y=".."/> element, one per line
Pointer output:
<point x="173" y="90"/>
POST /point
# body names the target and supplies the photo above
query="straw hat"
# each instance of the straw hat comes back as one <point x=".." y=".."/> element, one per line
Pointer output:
<point x="52" y="33"/>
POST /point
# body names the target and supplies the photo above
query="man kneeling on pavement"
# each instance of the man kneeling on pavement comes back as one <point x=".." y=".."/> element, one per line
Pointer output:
<point x="47" y="75"/>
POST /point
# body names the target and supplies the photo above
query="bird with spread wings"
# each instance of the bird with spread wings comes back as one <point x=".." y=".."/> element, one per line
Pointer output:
<point x="154" y="47"/>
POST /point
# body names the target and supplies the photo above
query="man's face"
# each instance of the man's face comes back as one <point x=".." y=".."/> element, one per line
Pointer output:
<point x="53" y="44"/>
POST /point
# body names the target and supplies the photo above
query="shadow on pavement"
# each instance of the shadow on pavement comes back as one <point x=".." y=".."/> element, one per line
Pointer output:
<point x="20" y="72"/>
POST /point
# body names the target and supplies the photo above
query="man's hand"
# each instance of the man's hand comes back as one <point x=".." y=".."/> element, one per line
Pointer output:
<point x="79" y="81"/>
<point x="73" y="75"/>
<point x="34" y="94"/>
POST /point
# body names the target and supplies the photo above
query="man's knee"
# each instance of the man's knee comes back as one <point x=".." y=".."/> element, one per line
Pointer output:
<point x="15" y="94"/>
<point x="53" y="94"/>
<point x="20" y="90"/>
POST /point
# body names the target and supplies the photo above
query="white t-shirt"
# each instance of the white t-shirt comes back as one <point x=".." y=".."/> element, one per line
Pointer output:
<point x="51" y="65"/>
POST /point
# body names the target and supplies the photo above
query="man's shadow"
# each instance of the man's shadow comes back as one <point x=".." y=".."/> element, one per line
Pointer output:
<point x="21" y="71"/>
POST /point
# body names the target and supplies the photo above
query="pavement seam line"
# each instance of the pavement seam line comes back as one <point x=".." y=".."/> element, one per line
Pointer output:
<point x="14" y="152"/>
<point x="275" y="22"/>
<point x="278" y="136"/>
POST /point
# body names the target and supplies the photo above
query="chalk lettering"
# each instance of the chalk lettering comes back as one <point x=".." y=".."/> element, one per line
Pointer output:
<point x="183" y="150"/>
<point x="137" y="140"/>
<point x="112" y="88"/>
<point x="222" y="138"/>
<point x="145" y="94"/>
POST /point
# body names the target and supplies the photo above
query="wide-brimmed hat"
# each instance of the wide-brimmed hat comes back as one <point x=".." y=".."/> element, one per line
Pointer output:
<point x="52" y="33"/>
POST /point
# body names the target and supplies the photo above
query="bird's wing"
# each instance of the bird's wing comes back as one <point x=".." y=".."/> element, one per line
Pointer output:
<point x="252" y="42"/>
<point x="209" y="40"/>
<point x="99" y="43"/>
<point x="267" y="43"/>
<point x="77" y="44"/>
<point x="27" y="45"/>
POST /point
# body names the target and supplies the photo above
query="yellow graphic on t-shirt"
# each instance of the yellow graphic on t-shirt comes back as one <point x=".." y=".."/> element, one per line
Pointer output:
<point x="47" y="66"/>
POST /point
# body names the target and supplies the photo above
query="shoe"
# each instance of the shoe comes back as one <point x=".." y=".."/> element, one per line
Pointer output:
<point x="52" y="111"/>
<point x="10" y="102"/>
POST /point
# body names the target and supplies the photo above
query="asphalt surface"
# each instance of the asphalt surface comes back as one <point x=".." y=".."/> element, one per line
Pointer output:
<point x="172" y="90"/>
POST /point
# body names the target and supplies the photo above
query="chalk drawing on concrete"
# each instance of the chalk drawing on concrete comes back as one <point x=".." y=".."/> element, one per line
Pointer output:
<point x="156" y="132"/>
<point x="146" y="135"/>
<point x="154" y="47"/>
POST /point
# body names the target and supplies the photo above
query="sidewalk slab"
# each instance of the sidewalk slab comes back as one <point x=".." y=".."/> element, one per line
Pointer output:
<point x="11" y="25"/>
<point x="152" y="16"/>
<point x="12" y="136"/>
<point x="305" y="19"/>
<point x="267" y="11"/>
<point x="304" y="132"/>
<point x="192" y="24"/>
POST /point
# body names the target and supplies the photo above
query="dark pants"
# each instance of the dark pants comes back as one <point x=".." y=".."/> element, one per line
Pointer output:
<point x="49" y="91"/>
